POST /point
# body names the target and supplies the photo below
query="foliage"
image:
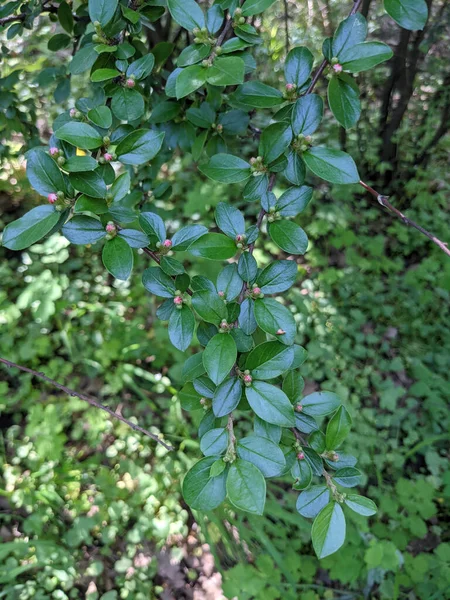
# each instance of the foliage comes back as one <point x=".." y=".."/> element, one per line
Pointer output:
<point x="238" y="322"/>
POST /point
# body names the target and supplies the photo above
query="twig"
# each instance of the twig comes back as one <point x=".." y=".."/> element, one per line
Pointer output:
<point x="384" y="201"/>
<point x="87" y="399"/>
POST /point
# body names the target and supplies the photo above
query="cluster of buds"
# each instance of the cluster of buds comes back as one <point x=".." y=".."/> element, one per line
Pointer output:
<point x="201" y="36"/>
<point x="56" y="154"/>
<point x="301" y="455"/>
<point x="99" y="37"/>
<point x="164" y="247"/>
<point x="257" y="166"/>
<point x="106" y="158"/>
<point x="273" y="215"/>
<point x="224" y="326"/>
<point x="302" y="143"/>
<point x="331" y="455"/>
<point x="247" y="378"/>
<point x="290" y="92"/>
<point x="75" y="114"/>
<point x="238" y="19"/>
<point x="59" y="201"/>
<point x="298" y="408"/>
<point x="218" y="128"/>
<point x="206" y="403"/>
<point x="336" y="66"/>
<point x="111" y="230"/>
<point x="130" y="81"/>
<point x="255" y="292"/>
<point x="240" y="239"/>
<point x="178" y="300"/>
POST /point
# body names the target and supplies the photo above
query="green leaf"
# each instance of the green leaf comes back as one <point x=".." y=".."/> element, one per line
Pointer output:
<point x="193" y="367"/>
<point x="219" y="357"/>
<point x="139" y="146"/>
<point x="117" y="257"/>
<point x="204" y="386"/>
<point x="246" y="487"/>
<point x="229" y="219"/>
<point x="102" y="10"/>
<point x="272" y="317"/>
<point x="347" y="477"/>
<point x="97" y="206"/>
<point x="134" y="238"/>
<point x="258" y="95"/>
<point x="83" y="230"/>
<point x="247" y="267"/>
<point x="185" y="236"/>
<point x="328" y="530"/>
<point x="263" y="453"/>
<point x="153" y="225"/>
<point x="332" y="165"/>
<point x="275" y="139"/>
<point x="305" y="423"/>
<point x="104" y="75"/>
<point x="343" y="98"/>
<point x="254" y="7"/>
<point x="157" y="282"/>
<point x="317" y="441"/>
<point x="227" y="396"/>
<point x="30" y="228"/>
<point x="227" y="70"/>
<point x="314" y="460"/>
<point x="44" y="174"/>
<point x="267" y="430"/>
<point x="269" y="360"/>
<point x="338" y="428"/>
<point x="293" y="385"/>
<point x="214" y="246"/>
<point x="77" y="164"/>
<point x="120" y="187"/>
<point x="350" y="32"/>
<point x="164" y="111"/>
<point x="307" y="114"/>
<point x="127" y="104"/>
<point x="311" y="502"/>
<point x="181" y="327"/>
<point x="295" y="171"/>
<point x="361" y="505"/>
<point x="214" y="442"/>
<point x="65" y="16"/>
<point x="229" y="282"/>
<point x="201" y="491"/>
<point x="226" y="168"/>
<point x="319" y="404"/>
<point x="214" y="18"/>
<point x="190" y="79"/>
<point x="301" y="471"/>
<point x="171" y="266"/>
<point x="409" y="14"/>
<point x="270" y="404"/>
<point x="298" y="66"/>
<point x="81" y="135"/>
<point x="142" y="67"/>
<point x="288" y="236"/>
<point x="89" y="183"/>
<point x="186" y="13"/>
<point x="58" y="42"/>
<point x="100" y="116"/>
<point x="83" y="60"/>
<point x="246" y="318"/>
<point x="294" y="201"/>
<point x="277" y="277"/>
<point x="364" y="56"/>
<point x="193" y="54"/>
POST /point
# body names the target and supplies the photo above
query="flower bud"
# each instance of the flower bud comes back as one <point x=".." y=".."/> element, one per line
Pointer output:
<point x="238" y="12"/>
<point x="241" y="20"/>
<point x="197" y="40"/>
<point x="301" y="456"/>
<point x="239" y="245"/>
<point x="221" y="294"/>
<point x="167" y="244"/>
<point x="130" y="82"/>
<point x="256" y="290"/>
<point x="206" y="63"/>
<point x="204" y="30"/>
<point x="196" y="30"/>
<point x="290" y="87"/>
<point x="52" y="198"/>
<point x="218" y="50"/>
<point x="219" y="128"/>
<point x="108" y="156"/>
<point x="60" y="195"/>
<point x="97" y="24"/>
<point x="110" y="227"/>
<point x="60" y="160"/>
<point x="178" y="300"/>
<point x="53" y="151"/>
<point x="298" y="408"/>
<point x="106" y="140"/>
<point x="73" y="112"/>
<point x="281" y="332"/>
<point x="337" y="68"/>
<point x="248" y="378"/>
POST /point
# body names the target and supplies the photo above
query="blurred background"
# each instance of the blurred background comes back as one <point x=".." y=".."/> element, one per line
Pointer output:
<point x="91" y="509"/>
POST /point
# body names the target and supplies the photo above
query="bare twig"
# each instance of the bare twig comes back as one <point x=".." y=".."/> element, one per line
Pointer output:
<point x="384" y="201"/>
<point x="87" y="399"/>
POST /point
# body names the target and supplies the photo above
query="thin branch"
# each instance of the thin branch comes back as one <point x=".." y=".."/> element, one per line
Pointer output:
<point x="87" y="399"/>
<point x="384" y="201"/>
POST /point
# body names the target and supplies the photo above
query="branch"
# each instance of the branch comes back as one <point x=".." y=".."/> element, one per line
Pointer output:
<point x="87" y="399"/>
<point x="384" y="201"/>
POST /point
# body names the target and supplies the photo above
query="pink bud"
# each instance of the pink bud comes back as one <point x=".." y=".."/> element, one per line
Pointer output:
<point x="167" y="244"/>
<point x="335" y="457"/>
<point x="337" y="68"/>
<point x="52" y="198"/>
<point x="239" y="238"/>
<point x="178" y="300"/>
<point x="289" y="87"/>
<point x="281" y="332"/>
<point x="221" y="294"/>
<point x="108" y="157"/>
<point x="300" y="456"/>
<point x="110" y="228"/>
<point x="299" y="408"/>
<point x="130" y="83"/>
<point x="248" y="378"/>
<point x="53" y="150"/>
<point x="256" y="290"/>
<point x="73" y="112"/>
